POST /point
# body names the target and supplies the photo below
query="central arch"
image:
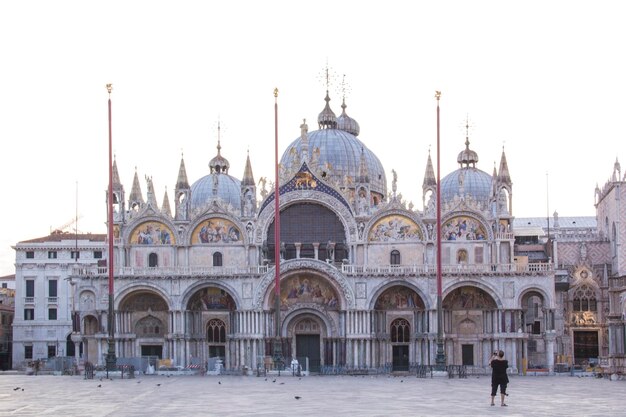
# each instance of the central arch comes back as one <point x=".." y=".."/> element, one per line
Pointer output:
<point x="307" y="333"/>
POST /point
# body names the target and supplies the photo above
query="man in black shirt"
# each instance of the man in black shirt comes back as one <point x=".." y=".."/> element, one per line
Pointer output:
<point x="498" y="376"/>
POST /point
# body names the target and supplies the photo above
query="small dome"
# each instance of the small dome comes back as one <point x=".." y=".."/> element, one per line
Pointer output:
<point x="347" y="123"/>
<point x="327" y="118"/>
<point x="218" y="184"/>
<point x="467" y="181"/>
<point x="212" y="186"/>
<point x="219" y="164"/>
<point x="467" y="156"/>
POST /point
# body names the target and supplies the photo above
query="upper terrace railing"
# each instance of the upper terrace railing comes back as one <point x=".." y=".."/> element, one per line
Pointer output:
<point x="463" y="269"/>
<point x="171" y="271"/>
<point x="359" y="270"/>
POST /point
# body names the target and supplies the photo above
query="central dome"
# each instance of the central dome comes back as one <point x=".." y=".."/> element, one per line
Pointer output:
<point x="341" y="152"/>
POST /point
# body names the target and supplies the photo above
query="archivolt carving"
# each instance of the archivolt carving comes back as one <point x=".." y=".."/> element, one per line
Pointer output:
<point x="303" y="265"/>
<point x="313" y="309"/>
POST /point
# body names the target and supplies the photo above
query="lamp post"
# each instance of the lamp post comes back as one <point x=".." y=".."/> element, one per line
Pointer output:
<point x="110" y="358"/>
<point x="278" y="347"/>
<point x="440" y="360"/>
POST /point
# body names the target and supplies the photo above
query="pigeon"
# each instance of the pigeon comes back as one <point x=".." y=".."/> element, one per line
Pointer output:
<point x="273" y="380"/>
<point x="401" y="380"/>
<point x="16" y="388"/>
<point x="158" y="385"/>
<point x="297" y="397"/>
<point x="99" y="385"/>
<point x="219" y="382"/>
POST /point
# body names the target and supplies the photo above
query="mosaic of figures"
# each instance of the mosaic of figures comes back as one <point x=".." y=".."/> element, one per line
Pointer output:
<point x="152" y="233"/>
<point x="307" y="289"/>
<point x="216" y="230"/>
<point x="468" y="298"/>
<point x="463" y="228"/>
<point x="399" y="298"/>
<point x="394" y="228"/>
<point x="211" y="299"/>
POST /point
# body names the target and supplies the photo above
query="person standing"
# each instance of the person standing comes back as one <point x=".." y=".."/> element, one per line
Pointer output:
<point x="498" y="376"/>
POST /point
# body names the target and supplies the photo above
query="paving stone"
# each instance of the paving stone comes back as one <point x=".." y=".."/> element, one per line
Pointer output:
<point x="319" y="396"/>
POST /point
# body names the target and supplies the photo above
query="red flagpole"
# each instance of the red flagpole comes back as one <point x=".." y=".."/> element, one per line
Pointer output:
<point x="278" y="349"/>
<point x="440" y="359"/>
<point x="276" y="202"/>
<point x="110" y="358"/>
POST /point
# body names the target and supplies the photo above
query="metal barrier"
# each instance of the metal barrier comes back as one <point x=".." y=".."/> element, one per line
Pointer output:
<point x="89" y="370"/>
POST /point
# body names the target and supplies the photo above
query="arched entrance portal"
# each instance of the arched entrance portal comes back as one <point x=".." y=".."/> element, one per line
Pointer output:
<point x="467" y="316"/>
<point x="307" y="332"/>
<point x="208" y="321"/>
<point x="144" y="314"/>
<point x="400" y="324"/>
<point x="310" y="303"/>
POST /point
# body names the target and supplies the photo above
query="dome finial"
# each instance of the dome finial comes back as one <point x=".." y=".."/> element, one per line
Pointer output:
<point x="467" y="156"/>
<point x="219" y="129"/>
<point x="219" y="164"/>
<point x="327" y="118"/>
<point x="345" y="122"/>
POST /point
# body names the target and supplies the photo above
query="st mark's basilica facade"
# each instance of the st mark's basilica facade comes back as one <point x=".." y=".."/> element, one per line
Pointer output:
<point x="357" y="274"/>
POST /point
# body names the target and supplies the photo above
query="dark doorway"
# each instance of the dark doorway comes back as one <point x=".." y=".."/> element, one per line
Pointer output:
<point x="70" y="349"/>
<point x="467" y="354"/>
<point x="585" y="346"/>
<point x="217" y="351"/>
<point x="152" y="350"/>
<point x="400" y="358"/>
<point x="308" y="345"/>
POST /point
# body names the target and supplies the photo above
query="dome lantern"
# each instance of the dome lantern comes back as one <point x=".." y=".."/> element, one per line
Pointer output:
<point x="327" y="118"/>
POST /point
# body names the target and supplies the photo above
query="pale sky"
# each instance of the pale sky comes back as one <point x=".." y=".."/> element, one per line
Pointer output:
<point x="544" y="79"/>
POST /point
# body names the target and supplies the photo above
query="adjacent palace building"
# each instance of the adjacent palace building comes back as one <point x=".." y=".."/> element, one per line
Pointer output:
<point x="358" y="280"/>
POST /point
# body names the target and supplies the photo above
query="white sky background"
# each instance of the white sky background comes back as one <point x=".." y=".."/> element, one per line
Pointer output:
<point x="546" y="80"/>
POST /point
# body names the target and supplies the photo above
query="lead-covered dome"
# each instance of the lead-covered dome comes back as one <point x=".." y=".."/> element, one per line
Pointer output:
<point x="218" y="184"/>
<point x="340" y="152"/>
<point x="467" y="180"/>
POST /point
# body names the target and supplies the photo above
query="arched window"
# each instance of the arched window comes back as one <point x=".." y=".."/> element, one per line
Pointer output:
<point x="153" y="260"/>
<point x="217" y="259"/>
<point x="585" y="299"/>
<point x="216" y="331"/>
<point x="394" y="258"/>
<point x="400" y="331"/>
<point x="533" y="313"/>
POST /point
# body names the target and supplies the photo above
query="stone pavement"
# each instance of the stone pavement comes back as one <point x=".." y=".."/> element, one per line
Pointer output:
<point x="326" y="396"/>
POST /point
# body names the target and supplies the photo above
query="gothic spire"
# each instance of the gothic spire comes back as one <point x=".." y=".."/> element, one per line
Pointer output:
<point x="135" y="198"/>
<point x="248" y="178"/>
<point x="182" y="182"/>
<point x="503" y="172"/>
<point x="429" y="176"/>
